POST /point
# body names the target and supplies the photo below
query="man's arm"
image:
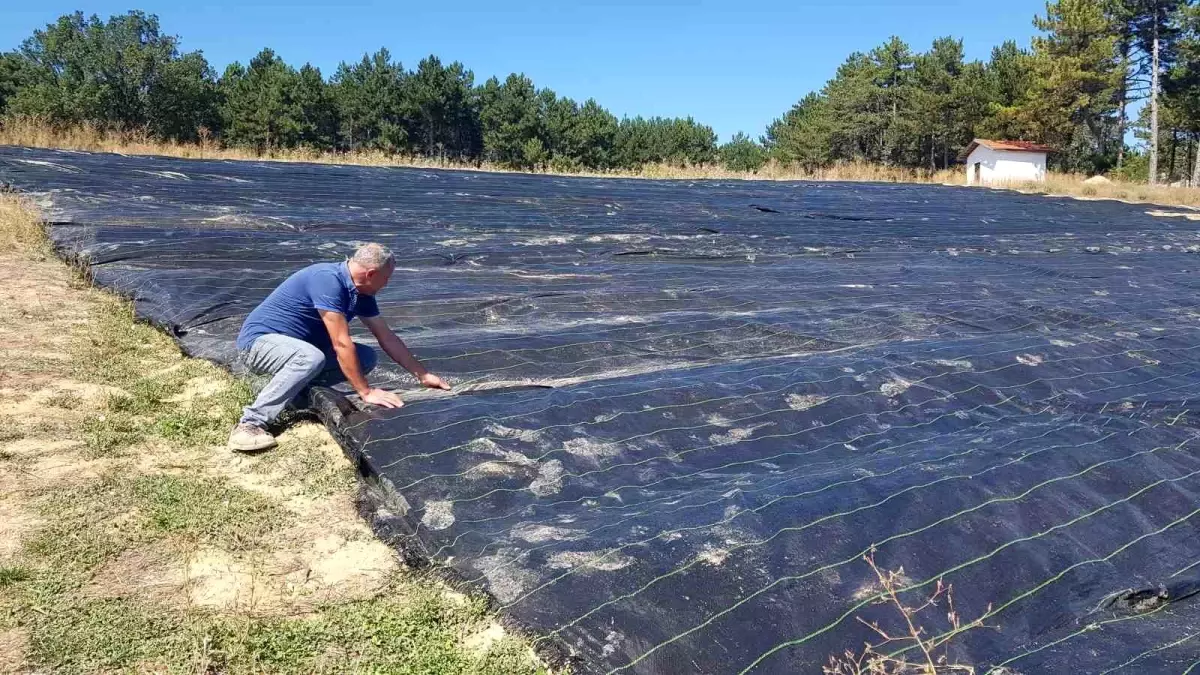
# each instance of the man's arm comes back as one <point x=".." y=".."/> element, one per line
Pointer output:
<point x="394" y="347"/>
<point x="347" y="356"/>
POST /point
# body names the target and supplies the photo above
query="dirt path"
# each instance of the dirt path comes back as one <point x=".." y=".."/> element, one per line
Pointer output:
<point x="131" y="539"/>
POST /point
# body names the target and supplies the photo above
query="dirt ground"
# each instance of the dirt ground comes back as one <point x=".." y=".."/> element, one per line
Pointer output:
<point x="130" y="539"/>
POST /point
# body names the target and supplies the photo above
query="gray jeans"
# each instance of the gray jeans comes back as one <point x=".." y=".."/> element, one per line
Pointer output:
<point x="293" y="365"/>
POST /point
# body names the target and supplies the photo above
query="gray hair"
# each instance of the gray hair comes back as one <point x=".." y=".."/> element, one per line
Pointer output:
<point x="373" y="257"/>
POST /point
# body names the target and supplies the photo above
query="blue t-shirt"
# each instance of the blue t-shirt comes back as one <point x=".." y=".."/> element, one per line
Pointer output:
<point x="292" y="308"/>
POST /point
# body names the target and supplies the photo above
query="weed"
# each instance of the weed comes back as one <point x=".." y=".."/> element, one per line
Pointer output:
<point x="933" y="658"/>
<point x="20" y="228"/>
<point x="67" y="400"/>
<point x="10" y="575"/>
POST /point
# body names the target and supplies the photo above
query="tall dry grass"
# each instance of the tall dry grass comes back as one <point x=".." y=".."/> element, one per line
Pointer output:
<point x="1073" y="185"/>
<point x="35" y="133"/>
<point x="20" y="229"/>
<point x="31" y="132"/>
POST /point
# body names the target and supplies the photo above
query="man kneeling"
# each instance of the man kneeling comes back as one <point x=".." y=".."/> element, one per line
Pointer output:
<point x="300" y="336"/>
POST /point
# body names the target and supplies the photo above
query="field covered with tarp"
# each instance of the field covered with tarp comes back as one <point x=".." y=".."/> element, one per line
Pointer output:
<point x="684" y="411"/>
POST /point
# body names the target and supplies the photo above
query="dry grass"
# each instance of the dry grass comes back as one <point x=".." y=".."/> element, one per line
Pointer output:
<point x="909" y="649"/>
<point x="19" y="226"/>
<point x="1072" y="185"/>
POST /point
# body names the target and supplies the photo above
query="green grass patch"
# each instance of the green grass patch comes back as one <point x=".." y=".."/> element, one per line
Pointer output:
<point x="151" y="374"/>
<point x="89" y="526"/>
<point x="13" y="574"/>
<point x="110" y="634"/>
<point x="416" y="632"/>
<point x="300" y="458"/>
<point x="84" y="527"/>
<point x="206" y="509"/>
<point x="108" y="434"/>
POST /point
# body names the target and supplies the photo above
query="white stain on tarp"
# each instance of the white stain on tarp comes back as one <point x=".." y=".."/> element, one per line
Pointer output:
<point x="506" y="581"/>
<point x="611" y="641"/>
<point x="604" y="561"/>
<point x="549" y="479"/>
<point x="805" y="401"/>
<point x="713" y="555"/>
<point x="590" y="447"/>
<point x="737" y="435"/>
<point x="895" y="386"/>
<point x="438" y="515"/>
<point x="502" y="431"/>
<point x="536" y="533"/>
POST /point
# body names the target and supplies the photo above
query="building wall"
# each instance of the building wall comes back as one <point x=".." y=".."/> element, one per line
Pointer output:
<point x="999" y="166"/>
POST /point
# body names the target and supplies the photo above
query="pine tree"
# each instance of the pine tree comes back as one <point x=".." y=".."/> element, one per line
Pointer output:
<point x="743" y="154"/>
<point x="1154" y="32"/>
<point x="440" y="100"/>
<point x="1181" y="86"/>
<point x="260" y="110"/>
<point x="315" y="109"/>
<point x="1072" y="101"/>
<point x="510" y="121"/>
<point x="370" y="101"/>
<point x="803" y="136"/>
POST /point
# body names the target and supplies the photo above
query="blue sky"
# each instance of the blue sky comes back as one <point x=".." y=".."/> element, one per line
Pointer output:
<point x="732" y="65"/>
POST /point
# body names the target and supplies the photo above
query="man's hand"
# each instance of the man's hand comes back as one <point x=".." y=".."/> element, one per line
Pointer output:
<point x="383" y="399"/>
<point x="433" y="381"/>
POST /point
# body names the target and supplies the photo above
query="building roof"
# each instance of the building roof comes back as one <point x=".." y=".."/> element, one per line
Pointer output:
<point x="1011" y="146"/>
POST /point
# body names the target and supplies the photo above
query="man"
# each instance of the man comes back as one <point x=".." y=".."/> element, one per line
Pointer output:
<point x="300" y="335"/>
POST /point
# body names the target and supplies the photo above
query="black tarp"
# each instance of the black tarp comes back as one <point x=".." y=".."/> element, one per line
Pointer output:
<point x="685" y="410"/>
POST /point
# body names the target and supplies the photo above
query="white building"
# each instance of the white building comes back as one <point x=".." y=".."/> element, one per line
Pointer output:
<point x="1005" y="162"/>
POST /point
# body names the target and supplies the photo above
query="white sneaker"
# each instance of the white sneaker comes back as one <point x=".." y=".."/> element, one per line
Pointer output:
<point x="250" y="438"/>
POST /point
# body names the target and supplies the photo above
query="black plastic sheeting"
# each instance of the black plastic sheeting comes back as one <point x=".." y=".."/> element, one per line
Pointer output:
<point x="685" y="410"/>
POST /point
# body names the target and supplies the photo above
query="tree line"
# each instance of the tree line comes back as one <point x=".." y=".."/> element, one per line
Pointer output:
<point x="126" y="74"/>
<point x="1090" y="64"/>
